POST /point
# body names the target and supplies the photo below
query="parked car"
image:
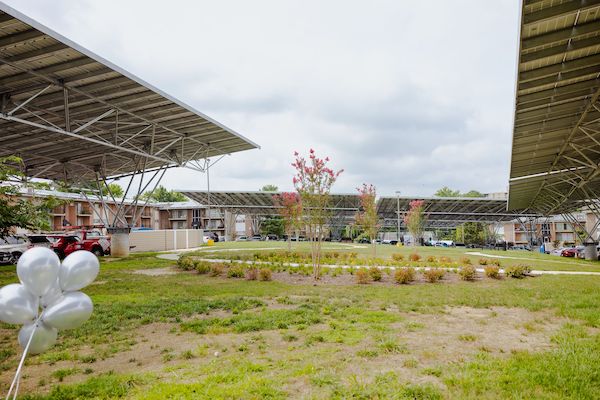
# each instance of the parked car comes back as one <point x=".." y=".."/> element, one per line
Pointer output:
<point x="569" y="252"/>
<point x="271" y="237"/>
<point x="241" y="238"/>
<point x="11" y="248"/>
<point x="557" y="251"/>
<point x="40" y="240"/>
<point x="390" y="241"/>
<point x="256" y="238"/>
<point x="67" y="243"/>
<point x="520" y="247"/>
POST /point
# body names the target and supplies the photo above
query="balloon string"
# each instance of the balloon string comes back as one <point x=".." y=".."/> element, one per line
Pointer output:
<point x="18" y="374"/>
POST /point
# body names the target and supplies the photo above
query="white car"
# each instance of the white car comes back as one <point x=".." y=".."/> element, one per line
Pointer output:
<point x="241" y="239"/>
<point x="11" y="248"/>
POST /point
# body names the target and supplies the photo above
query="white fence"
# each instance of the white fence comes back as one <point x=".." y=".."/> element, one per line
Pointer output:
<point x="167" y="239"/>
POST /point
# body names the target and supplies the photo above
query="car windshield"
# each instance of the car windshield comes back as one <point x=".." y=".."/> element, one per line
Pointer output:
<point x="42" y="239"/>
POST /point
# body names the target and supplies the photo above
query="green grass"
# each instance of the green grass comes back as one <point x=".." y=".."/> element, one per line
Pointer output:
<point x="276" y="340"/>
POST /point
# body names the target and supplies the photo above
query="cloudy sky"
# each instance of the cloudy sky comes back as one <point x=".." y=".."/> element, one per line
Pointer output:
<point x="409" y="96"/>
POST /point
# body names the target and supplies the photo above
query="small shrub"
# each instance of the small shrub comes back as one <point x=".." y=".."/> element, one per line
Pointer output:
<point x="495" y="262"/>
<point x="202" y="267"/>
<point x="414" y="257"/>
<point x="216" y="269"/>
<point x="264" y="274"/>
<point x="375" y="274"/>
<point x="492" y="271"/>
<point x="433" y="274"/>
<point x="187" y="355"/>
<point x="235" y="271"/>
<point x="484" y="261"/>
<point x="397" y="257"/>
<point x="431" y="259"/>
<point x="445" y="260"/>
<point x="185" y="263"/>
<point x="467" y="273"/>
<point x="517" y="271"/>
<point x="404" y="275"/>
<point x="362" y="276"/>
<point x="465" y="261"/>
<point x="252" y="274"/>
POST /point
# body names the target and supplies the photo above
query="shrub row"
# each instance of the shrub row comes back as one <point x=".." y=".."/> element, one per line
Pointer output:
<point x="363" y="275"/>
<point x="352" y="259"/>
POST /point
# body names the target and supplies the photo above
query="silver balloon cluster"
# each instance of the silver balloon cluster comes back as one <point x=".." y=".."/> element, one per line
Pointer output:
<point x="48" y="298"/>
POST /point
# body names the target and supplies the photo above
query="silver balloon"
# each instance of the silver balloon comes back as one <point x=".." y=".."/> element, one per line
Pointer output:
<point x="17" y="305"/>
<point x="43" y="338"/>
<point x="73" y="310"/>
<point x="37" y="269"/>
<point x="53" y="295"/>
<point x="78" y="270"/>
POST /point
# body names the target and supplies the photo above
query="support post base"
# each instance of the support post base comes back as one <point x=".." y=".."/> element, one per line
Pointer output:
<point x="591" y="251"/>
<point x="119" y="241"/>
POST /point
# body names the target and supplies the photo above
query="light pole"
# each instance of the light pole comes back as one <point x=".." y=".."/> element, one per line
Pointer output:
<point x="398" y="215"/>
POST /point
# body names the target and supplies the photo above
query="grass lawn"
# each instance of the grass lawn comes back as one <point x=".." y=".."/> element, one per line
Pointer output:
<point x="157" y="333"/>
<point x="536" y="260"/>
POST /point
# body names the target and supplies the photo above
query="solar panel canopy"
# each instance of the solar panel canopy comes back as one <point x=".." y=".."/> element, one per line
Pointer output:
<point x="263" y="203"/>
<point x="556" y="136"/>
<point x="68" y="112"/>
<point x="448" y="212"/>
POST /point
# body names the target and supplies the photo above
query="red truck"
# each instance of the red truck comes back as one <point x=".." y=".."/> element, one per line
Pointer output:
<point x="64" y="244"/>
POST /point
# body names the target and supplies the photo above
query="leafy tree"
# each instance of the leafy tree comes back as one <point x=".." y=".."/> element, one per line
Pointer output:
<point x="313" y="181"/>
<point x="415" y="220"/>
<point x="272" y="226"/>
<point x="116" y="190"/>
<point x="162" y="195"/>
<point x="290" y="209"/>
<point x="18" y="213"/>
<point x="471" y="233"/>
<point x="40" y="185"/>
<point x="367" y="217"/>
<point x="269" y="188"/>
<point x="473" y="193"/>
<point x="447" y="192"/>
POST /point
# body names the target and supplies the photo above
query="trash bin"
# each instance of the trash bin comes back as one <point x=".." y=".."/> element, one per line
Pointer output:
<point x="210" y="242"/>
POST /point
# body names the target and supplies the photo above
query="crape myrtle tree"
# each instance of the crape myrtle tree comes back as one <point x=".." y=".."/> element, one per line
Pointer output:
<point x="367" y="217"/>
<point x="313" y="181"/>
<point x="32" y="214"/>
<point x="290" y="209"/>
<point x="415" y="220"/>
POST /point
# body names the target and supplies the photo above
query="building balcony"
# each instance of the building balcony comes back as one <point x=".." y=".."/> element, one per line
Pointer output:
<point x="84" y="211"/>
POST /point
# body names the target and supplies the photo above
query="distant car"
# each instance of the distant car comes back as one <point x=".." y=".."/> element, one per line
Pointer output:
<point x="271" y="237"/>
<point x="256" y="238"/>
<point x="520" y="247"/>
<point x="241" y="239"/>
<point x="393" y="242"/>
<point x="557" y="252"/>
<point x="11" y="248"/>
<point x="364" y="240"/>
<point x="40" y="241"/>
<point x="569" y="252"/>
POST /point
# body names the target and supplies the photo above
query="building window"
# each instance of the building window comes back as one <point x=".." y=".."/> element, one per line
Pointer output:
<point x="196" y="219"/>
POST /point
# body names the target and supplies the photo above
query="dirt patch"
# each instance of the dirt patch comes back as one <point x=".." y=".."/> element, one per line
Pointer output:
<point x="419" y="348"/>
<point x="346" y="279"/>
<point x="428" y="342"/>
